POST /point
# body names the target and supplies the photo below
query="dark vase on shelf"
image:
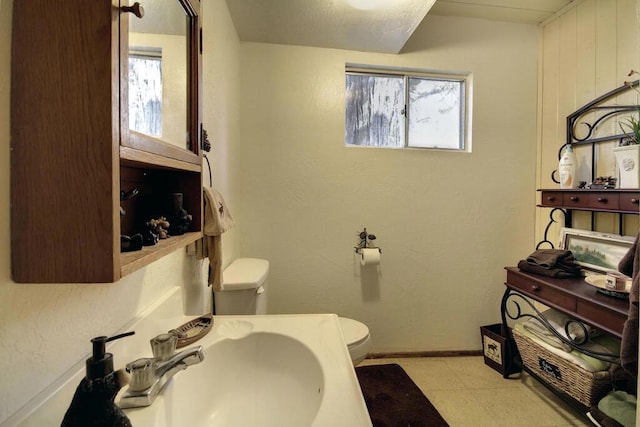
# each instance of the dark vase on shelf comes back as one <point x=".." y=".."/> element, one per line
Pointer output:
<point x="179" y="219"/>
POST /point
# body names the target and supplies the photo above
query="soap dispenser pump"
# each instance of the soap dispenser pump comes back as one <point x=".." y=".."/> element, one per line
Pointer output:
<point x="93" y="402"/>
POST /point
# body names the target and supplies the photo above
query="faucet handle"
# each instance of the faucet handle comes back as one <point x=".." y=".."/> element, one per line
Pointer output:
<point x="164" y="346"/>
<point x="143" y="374"/>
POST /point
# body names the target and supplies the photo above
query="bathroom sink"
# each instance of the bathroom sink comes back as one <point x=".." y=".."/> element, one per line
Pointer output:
<point x="279" y="370"/>
<point x="259" y="371"/>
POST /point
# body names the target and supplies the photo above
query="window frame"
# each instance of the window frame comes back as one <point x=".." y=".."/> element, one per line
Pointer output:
<point x="465" y="79"/>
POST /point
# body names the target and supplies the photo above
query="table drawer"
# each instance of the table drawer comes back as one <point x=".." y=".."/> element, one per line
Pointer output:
<point x="575" y="200"/>
<point x="551" y="199"/>
<point x="630" y="202"/>
<point x="604" y="200"/>
<point x="541" y="292"/>
<point x="602" y="317"/>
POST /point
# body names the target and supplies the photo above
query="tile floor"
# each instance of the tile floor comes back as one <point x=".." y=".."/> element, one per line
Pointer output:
<point x="467" y="392"/>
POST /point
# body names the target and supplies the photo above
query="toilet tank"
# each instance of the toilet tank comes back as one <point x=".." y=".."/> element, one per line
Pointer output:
<point x="244" y="287"/>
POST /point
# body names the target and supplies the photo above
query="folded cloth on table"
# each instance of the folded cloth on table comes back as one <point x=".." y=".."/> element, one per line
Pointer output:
<point x="549" y="258"/>
<point x="559" y="273"/>
<point x="621" y="406"/>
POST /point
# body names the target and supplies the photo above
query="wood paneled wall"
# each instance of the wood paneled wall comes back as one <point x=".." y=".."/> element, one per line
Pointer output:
<point x="585" y="51"/>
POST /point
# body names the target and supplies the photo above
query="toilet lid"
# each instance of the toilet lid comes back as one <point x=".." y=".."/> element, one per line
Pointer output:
<point x="354" y="332"/>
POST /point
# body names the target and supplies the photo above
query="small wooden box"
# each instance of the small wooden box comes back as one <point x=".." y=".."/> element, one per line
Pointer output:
<point x="493" y="346"/>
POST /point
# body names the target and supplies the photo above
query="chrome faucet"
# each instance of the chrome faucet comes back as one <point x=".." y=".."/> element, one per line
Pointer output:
<point x="149" y="375"/>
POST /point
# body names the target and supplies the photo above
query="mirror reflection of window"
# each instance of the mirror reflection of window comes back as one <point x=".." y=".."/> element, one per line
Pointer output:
<point x="159" y="72"/>
<point x="145" y="91"/>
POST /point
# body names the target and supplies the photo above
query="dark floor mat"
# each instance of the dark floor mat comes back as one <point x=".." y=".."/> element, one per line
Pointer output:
<point x="394" y="400"/>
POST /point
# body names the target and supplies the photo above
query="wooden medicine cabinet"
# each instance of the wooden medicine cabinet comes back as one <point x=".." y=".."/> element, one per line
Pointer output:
<point x="79" y="140"/>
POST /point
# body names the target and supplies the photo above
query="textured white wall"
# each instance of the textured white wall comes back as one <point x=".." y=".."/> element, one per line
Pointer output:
<point x="585" y="52"/>
<point x="45" y="329"/>
<point x="447" y="222"/>
<point x="221" y="111"/>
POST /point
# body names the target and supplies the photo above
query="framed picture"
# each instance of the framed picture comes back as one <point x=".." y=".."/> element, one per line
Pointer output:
<point x="595" y="251"/>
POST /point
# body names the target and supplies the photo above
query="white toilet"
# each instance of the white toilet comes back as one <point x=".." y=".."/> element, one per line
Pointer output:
<point x="356" y="335"/>
<point x="244" y="291"/>
<point x="244" y="288"/>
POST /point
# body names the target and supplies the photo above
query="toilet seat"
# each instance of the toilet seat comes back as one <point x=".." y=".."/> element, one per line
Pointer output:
<point x="356" y="336"/>
<point x="354" y="332"/>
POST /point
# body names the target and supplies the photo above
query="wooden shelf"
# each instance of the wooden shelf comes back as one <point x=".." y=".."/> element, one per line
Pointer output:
<point x="626" y="201"/>
<point x="132" y="261"/>
<point x="132" y="157"/>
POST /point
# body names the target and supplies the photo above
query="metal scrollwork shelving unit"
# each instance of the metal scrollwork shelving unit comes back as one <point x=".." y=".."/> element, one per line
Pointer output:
<point x="515" y="312"/>
<point x="591" y="116"/>
<point x="606" y="112"/>
<point x="584" y="127"/>
<point x="552" y="221"/>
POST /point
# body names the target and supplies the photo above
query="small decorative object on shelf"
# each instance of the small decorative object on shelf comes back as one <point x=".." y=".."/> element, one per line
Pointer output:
<point x="160" y="226"/>
<point x="603" y="183"/>
<point x="180" y="223"/>
<point x="131" y="243"/>
<point x="628" y="161"/>
<point x="149" y="237"/>
<point x="126" y="195"/>
<point x="136" y="241"/>
<point x="178" y="217"/>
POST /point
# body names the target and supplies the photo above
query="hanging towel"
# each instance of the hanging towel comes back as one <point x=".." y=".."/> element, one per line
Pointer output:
<point x="217" y="220"/>
<point x="630" y="265"/>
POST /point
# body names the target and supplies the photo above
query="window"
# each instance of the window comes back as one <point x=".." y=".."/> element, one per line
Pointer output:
<point x="394" y="110"/>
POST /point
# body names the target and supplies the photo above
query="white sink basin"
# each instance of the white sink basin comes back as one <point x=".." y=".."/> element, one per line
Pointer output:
<point x="259" y="371"/>
<point x="289" y="370"/>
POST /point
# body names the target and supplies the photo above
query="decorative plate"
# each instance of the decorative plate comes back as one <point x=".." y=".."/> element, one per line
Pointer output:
<point x="599" y="281"/>
<point x="193" y="330"/>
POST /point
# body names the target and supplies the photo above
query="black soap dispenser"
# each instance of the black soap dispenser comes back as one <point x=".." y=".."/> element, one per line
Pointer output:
<point x="93" y="403"/>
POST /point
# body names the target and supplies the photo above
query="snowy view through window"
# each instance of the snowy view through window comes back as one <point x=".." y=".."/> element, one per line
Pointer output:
<point x="145" y="95"/>
<point x="375" y="112"/>
<point x="435" y="116"/>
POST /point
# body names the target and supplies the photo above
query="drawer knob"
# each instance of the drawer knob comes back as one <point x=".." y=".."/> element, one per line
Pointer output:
<point x="573" y="198"/>
<point x="551" y="198"/>
<point x="635" y="201"/>
<point x="136" y="9"/>
<point x="602" y="200"/>
<point x="535" y="288"/>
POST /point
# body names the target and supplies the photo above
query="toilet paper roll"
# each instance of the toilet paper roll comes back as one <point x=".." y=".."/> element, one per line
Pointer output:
<point x="369" y="256"/>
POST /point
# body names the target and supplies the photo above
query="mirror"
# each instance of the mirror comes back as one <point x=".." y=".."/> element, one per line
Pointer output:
<point x="159" y="72"/>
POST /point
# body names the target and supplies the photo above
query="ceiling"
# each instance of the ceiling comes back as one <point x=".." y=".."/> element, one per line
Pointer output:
<point x="367" y="25"/>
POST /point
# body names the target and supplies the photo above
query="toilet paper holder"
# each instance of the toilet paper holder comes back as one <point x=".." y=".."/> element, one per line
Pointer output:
<point x="366" y="242"/>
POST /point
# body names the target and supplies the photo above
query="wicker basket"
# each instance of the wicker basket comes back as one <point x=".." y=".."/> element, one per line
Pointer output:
<point x="584" y="386"/>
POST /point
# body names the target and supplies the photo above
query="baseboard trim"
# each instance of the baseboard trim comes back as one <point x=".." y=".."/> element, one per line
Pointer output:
<point x="409" y="354"/>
